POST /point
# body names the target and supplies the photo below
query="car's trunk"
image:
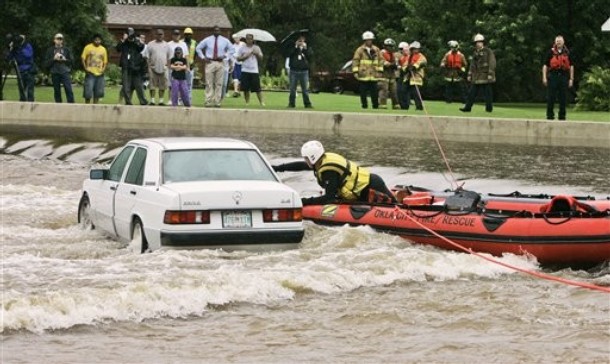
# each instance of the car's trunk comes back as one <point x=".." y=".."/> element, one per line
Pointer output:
<point x="212" y="195"/>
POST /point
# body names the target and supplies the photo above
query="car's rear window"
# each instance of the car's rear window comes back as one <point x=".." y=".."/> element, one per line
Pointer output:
<point x="215" y="165"/>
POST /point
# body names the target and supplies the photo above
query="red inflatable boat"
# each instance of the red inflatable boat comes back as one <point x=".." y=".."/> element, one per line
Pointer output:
<point x="562" y="230"/>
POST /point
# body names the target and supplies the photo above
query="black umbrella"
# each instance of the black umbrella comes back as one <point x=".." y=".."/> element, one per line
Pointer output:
<point x="287" y="43"/>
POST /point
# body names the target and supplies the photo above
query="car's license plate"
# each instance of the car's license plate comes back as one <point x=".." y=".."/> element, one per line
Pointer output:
<point x="236" y="219"/>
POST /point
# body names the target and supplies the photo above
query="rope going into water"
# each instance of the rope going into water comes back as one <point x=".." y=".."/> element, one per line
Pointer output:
<point x="510" y="266"/>
<point x="438" y="142"/>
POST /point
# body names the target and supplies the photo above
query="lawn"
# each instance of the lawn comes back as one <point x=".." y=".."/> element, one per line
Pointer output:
<point x="335" y="103"/>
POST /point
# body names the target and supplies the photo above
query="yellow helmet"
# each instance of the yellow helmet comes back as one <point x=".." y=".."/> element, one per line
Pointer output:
<point x="188" y="31"/>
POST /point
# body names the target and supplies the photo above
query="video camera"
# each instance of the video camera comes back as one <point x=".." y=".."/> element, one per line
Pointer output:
<point x="14" y="41"/>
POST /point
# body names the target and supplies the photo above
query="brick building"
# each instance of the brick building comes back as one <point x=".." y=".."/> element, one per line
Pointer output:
<point x="147" y="18"/>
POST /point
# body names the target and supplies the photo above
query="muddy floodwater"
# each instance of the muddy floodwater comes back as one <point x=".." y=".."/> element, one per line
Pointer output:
<point x="346" y="295"/>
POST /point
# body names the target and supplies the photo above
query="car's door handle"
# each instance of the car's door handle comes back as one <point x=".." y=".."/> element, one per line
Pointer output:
<point x="133" y="192"/>
<point x="113" y="188"/>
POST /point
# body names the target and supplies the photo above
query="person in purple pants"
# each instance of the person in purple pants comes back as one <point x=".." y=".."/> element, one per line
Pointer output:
<point x="179" y="67"/>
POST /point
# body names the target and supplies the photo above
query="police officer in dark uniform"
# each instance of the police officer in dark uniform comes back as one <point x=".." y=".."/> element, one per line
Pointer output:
<point x="557" y="76"/>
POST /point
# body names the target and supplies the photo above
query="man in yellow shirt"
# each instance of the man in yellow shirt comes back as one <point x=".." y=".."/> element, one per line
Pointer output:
<point x="95" y="60"/>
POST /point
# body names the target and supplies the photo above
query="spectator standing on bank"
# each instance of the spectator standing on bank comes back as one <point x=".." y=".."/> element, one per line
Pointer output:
<point x="298" y="65"/>
<point x="454" y="67"/>
<point x="227" y="68"/>
<point x="414" y="75"/>
<point x="401" y="84"/>
<point x="132" y="64"/>
<point x="191" y="44"/>
<point x="22" y="52"/>
<point x="250" y="55"/>
<point x="158" y="55"/>
<point x="237" y="43"/>
<point x="367" y="68"/>
<point x="481" y="74"/>
<point x="58" y="60"/>
<point x="179" y="68"/>
<point x="387" y="83"/>
<point x="213" y="50"/>
<point x="557" y="76"/>
<point x="95" y="60"/>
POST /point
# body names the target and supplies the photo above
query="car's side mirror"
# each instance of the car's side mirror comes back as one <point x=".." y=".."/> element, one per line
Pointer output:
<point x="98" y="174"/>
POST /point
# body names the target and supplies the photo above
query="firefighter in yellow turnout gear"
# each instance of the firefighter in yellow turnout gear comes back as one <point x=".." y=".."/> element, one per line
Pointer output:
<point x="341" y="179"/>
<point x="367" y="66"/>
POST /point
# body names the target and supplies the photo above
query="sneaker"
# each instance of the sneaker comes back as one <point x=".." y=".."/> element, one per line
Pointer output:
<point x="309" y="106"/>
<point x="463" y="109"/>
<point x="151" y="103"/>
<point x="236" y="94"/>
<point x="290" y="106"/>
<point x="263" y="104"/>
<point x="161" y="104"/>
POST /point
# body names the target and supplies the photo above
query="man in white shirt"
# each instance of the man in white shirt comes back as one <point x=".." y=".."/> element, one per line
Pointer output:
<point x="158" y="55"/>
<point x="213" y="50"/>
<point x="250" y="55"/>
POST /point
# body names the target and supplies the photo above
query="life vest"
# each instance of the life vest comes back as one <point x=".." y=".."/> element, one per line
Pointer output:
<point x="353" y="178"/>
<point x="387" y="55"/>
<point x="560" y="61"/>
<point x="566" y="203"/>
<point x="454" y="60"/>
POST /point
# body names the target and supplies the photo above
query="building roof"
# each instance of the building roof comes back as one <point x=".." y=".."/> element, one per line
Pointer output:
<point x="170" y="16"/>
<point x="606" y="26"/>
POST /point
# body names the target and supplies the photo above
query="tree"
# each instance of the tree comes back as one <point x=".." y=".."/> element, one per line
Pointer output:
<point x="76" y="20"/>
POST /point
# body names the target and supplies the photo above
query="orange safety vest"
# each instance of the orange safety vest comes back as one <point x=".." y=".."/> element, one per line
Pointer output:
<point x="560" y="61"/>
<point x="454" y="60"/>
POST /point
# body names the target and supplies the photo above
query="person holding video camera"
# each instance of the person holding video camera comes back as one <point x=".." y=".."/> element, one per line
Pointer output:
<point x="21" y="55"/>
<point x="132" y="61"/>
<point x="58" y="60"/>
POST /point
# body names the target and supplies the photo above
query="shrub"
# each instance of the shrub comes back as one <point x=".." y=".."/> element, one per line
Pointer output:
<point x="78" y="77"/>
<point x="113" y="74"/>
<point x="280" y="82"/>
<point x="594" y="91"/>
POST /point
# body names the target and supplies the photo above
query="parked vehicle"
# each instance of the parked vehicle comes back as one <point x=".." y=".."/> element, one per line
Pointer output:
<point x="337" y="82"/>
<point x="191" y="192"/>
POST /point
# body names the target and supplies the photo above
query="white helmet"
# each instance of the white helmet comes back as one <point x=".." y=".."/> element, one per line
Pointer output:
<point x="403" y="45"/>
<point x="313" y="150"/>
<point x="389" y="42"/>
<point x="368" y="35"/>
<point x="453" y="44"/>
<point x="415" y="45"/>
<point x="478" y="38"/>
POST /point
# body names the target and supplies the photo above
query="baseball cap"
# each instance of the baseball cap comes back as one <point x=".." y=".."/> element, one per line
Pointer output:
<point x="176" y="32"/>
<point x="59" y="36"/>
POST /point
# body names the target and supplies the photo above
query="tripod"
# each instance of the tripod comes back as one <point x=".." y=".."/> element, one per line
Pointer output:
<point x="12" y="64"/>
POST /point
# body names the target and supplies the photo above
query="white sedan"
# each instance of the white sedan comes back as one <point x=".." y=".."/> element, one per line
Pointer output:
<point x="192" y="192"/>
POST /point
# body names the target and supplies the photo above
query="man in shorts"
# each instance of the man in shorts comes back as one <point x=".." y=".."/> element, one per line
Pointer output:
<point x="95" y="60"/>
<point x="158" y="54"/>
<point x="250" y="55"/>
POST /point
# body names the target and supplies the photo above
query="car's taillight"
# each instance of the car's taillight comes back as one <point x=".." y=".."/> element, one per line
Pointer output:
<point x="186" y="217"/>
<point x="278" y="215"/>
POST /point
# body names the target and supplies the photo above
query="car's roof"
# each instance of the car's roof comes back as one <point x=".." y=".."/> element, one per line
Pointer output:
<point x="178" y="143"/>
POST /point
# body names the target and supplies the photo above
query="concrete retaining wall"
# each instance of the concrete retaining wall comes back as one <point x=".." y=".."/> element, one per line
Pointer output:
<point x="572" y="133"/>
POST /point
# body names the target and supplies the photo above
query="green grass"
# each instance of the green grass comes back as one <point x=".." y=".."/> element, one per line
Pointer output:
<point x="335" y="103"/>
